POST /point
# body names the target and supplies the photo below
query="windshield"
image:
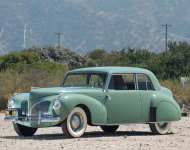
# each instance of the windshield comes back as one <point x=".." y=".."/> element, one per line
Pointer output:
<point x="93" y="80"/>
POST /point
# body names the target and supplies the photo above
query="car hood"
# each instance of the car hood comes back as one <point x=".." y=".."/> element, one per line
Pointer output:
<point x="37" y="93"/>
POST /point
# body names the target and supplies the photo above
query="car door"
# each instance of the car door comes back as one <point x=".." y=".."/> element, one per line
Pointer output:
<point x="146" y="90"/>
<point x="123" y="104"/>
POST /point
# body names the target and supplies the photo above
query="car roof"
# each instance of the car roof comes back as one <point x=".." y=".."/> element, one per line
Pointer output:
<point x="119" y="70"/>
<point x="112" y="70"/>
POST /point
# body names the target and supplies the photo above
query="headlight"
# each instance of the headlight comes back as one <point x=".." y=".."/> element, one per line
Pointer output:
<point x="11" y="103"/>
<point x="57" y="105"/>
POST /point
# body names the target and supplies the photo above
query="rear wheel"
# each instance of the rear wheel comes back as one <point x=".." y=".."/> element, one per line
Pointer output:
<point x="23" y="130"/>
<point x="76" y="123"/>
<point x="109" y="129"/>
<point x="160" y="128"/>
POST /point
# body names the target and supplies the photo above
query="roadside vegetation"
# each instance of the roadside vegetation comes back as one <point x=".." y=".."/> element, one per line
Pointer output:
<point x="45" y="67"/>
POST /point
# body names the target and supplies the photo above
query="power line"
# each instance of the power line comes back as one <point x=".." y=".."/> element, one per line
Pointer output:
<point x="166" y="26"/>
<point x="59" y="39"/>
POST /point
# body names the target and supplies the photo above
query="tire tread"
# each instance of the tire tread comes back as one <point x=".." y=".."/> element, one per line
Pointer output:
<point x="23" y="130"/>
<point x="109" y="129"/>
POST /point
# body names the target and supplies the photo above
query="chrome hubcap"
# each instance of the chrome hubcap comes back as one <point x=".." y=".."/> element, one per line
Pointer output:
<point x="162" y="125"/>
<point x="76" y="122"/>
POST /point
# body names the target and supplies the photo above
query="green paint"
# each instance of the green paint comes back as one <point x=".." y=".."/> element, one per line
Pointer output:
<point x="106" y="106"/>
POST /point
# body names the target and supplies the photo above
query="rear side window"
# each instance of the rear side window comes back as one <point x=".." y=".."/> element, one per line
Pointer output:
<point x="122" y="82"/>
<point x="144" y="83"/>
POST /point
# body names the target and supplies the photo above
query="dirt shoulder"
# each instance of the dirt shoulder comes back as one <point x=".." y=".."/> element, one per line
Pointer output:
<point x="130" y="137"/>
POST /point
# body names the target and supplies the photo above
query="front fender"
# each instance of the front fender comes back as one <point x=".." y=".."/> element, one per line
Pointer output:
<point x="97" y="110"/>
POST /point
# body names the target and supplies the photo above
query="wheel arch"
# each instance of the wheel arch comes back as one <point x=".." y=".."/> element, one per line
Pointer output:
<point x="96" y="111"/>
<point x="87" y="111"/>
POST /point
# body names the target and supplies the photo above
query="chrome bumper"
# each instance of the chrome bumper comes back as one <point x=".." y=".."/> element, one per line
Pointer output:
<point x="32" y="119"/>
<point x="49" y="119"/>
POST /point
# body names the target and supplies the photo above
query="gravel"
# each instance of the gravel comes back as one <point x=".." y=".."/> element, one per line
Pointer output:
<point x="130" y="137"/>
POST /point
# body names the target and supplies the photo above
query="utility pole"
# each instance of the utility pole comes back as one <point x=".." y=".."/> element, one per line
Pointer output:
<point x="59" y="39"/>
<point x="166" y="26"/>
<point x="24" y="36"/>
<point x="29" y="35"/>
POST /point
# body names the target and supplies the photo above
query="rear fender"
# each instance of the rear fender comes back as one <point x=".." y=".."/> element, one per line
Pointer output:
<point x="168" y="111"/>
<point x="164" y="108"/>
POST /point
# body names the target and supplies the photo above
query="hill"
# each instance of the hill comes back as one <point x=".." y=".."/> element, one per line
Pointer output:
<point x="90" y="24"/>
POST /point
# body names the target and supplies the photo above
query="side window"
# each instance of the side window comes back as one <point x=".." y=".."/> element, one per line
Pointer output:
<point x="96" y="80"/>
<point x="122" y="82"/>
<point x="75" y="80"/>
<point x="144" y="83"/>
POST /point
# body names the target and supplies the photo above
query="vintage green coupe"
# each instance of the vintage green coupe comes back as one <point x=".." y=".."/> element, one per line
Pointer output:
<point x="98" y="96"/>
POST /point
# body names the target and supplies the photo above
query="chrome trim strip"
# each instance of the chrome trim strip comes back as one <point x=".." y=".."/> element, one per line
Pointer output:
<point x="48" y="119"/>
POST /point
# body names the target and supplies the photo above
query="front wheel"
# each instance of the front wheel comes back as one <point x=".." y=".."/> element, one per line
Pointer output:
<point x="23" y="130"/>
<point x="109" y="129"/>
<point x="76" y="123"/>
<point x="160" y="128"/>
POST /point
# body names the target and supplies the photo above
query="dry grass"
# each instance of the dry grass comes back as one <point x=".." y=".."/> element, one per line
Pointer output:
<point x="182" y="94"/>
<point x="11" y="82"/>
<point x="15" y="82"/>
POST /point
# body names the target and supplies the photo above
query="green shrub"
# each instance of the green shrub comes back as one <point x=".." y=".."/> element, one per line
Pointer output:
<point x="14" y="58"/>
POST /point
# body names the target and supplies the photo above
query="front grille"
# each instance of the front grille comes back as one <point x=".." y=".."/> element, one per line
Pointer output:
<point x="40" y="108"/>
<point x="24" y="108"/>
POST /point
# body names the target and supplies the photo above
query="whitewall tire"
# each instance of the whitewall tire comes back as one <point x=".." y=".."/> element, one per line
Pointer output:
<point x="76" y="123"/>
<point x="160" y="128"/>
